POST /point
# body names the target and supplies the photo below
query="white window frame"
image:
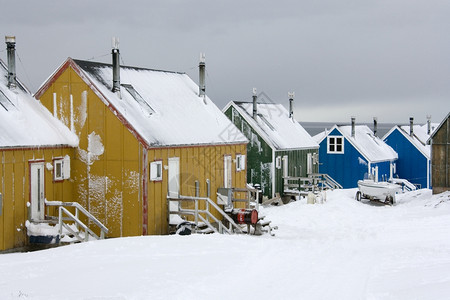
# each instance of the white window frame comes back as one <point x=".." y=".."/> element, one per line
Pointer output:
<point x="240" y="162"/>
<point x="278" y="162"/>
<point x="335" y="144"/>
<point x="63" y="165"/>
<point x="58" y="164"/>
<point x="156" y="170"/>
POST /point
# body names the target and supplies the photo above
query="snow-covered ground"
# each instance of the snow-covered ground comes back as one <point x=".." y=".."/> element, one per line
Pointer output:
<point x="342" y="249"/>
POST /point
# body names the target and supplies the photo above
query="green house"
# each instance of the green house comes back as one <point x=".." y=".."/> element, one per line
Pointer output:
<point x="279" y="146"/>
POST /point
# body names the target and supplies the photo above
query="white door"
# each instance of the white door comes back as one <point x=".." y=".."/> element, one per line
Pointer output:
<point x="227" y="179"/>
<point x="37" y="191"/>
<point x="285" y="166"/>
<point x="309" y="163"/>
<point x="174" y="177"/>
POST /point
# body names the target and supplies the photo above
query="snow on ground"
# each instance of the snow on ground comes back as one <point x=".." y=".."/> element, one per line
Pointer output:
<point x="342" y="249"/>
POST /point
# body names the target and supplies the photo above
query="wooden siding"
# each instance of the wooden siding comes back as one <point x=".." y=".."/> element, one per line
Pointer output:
<point x="15" y="190"/>
<point x="107" y="169"/>
<point x="196" y="164"/>
<point x="348" y="167"/>
<point x="440" y="159"/>
<point x="297" y="166"/>
<point x="259" y="154"/>
<point x="114" y="183"/>
<point x="411" y="164"/>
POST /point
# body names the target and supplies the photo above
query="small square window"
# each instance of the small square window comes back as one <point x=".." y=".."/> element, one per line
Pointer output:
<point x="335" y="144"/>
<point x="240" y="162"/>
<point x="58" y="173"/>
<point x="278" y="162"/>
<point x="156" y="170"/>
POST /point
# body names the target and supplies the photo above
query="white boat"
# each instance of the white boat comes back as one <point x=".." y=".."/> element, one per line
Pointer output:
<point x="374" y="190"/>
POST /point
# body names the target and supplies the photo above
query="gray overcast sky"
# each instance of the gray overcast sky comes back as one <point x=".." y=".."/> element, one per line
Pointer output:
<point x="384" y="58"/>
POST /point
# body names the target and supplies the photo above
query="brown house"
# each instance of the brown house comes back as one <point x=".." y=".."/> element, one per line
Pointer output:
<point x="440" y="157"/>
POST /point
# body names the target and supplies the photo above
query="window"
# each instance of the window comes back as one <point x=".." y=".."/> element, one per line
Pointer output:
<point x="240" y="162"/>
<point x="278" y="162"/>
<point x="335" y="144"/>
<point x="61" y="168"/>
<point x="156" y="170"/>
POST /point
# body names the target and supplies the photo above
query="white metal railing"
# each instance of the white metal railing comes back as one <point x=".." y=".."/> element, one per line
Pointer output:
<point x="204" y="214"/>
<point x="313" y="182"/>
<point x="65" y="215"/>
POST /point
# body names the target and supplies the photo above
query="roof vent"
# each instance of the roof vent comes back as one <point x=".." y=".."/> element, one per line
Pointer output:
<point x="11" y="50"/>
<point x="411" y="126"/>
<point x="375" y="126"/>
<point x="353" y="126"/>
<point x="255" y="109"/>
<point x="291" y="104"/>
<point x="116" y="64"/>
<point x="428" y="124"/>
<point x="201" y="70"/>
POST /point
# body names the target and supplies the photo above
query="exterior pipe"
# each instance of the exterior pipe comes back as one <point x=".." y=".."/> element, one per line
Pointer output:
<point x="428" y="124"/>
<point x="353" y="126"/>
<point x="375" y="126"/>
<point x="11" y="50"/>
<point x="202" y="69"/>
<point x="116" y="64"/>
<point x="411" y="125"/>
<point x="291" y="104"/>
<point x="255" y="109"/>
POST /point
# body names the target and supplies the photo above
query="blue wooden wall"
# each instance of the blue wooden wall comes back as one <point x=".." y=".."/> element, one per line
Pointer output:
<point x="349" y="167"/>
<point x="411" y="163"/>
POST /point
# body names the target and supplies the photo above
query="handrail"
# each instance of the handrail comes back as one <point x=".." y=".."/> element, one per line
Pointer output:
<point x="196" y="212"/>
<point x="87" y="230"/>
<point x="103" y="228"/>
<point x="314" y="180"/>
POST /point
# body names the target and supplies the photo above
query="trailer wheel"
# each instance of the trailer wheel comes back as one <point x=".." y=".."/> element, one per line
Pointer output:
<point x="286" y="199"/>
<point x="390" y="200"/>
<point x="358" y="196"/>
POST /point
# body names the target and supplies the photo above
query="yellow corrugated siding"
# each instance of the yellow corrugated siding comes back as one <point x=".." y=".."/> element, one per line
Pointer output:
<point x="196" y="163"/>
<point x="15" y="189"/>
<point x="109" y="185"/>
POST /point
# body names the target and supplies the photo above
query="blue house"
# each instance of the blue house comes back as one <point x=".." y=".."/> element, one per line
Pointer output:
<point x="349" y="153"/>
<point x="414" y="155"/>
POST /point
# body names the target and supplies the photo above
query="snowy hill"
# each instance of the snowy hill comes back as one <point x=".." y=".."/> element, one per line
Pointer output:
<point x="342" y="249"/>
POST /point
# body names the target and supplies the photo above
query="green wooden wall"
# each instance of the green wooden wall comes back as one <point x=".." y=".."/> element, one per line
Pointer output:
<point x="259" y="154"/>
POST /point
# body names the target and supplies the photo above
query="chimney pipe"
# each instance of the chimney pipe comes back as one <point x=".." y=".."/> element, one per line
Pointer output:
<point x="353" y="126"/>
<point x="291" y="104"/>
<point x="411" y="125"/>
<point x="255" y="109"/>
<point x="428" y="124"/>
<point x="11" y="50"/>
<point x="201" y="68"/>
<point x="375" y="126"/>
<point x="116" y="64"/>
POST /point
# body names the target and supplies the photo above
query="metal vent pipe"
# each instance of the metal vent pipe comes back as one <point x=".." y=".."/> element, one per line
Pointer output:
<point x="116" y="64"/>
<point x="11" y="53"/>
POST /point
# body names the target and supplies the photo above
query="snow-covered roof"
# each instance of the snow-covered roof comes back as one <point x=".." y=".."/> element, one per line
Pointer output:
<point x="25" y="122"/>
<point x="419" y="138"/>
<point x="274" y="126"/>
<point x="370" y="146"/>
<point x="162" y="107"/>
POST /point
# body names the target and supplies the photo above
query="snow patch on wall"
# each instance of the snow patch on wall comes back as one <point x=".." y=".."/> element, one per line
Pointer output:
<point x="362" y="161"/>
<point x="266" y="176"/>
<point x="131" y="181"/>
<point x="82" y="112"/>
<point x="94" y="150"/>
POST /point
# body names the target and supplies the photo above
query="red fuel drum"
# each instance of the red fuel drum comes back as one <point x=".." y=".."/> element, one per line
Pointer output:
<point x="245" y="216"/>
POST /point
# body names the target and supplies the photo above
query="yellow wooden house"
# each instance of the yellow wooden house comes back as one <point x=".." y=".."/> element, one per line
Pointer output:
<point x="35" y="153"/>
<point x="143" y="135"/>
